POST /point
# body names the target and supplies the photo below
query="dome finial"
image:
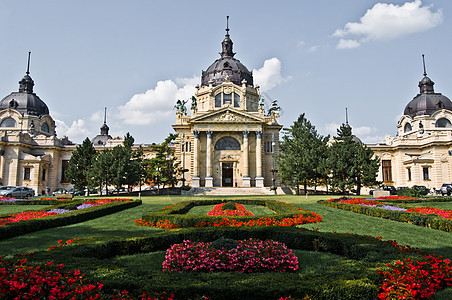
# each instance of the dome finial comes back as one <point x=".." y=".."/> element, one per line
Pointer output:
<point x="105" y="116"/>
<point x="227" y="43"/>
<point x="227" y="25"/>
<point x="423" y="62"/>
<point x="346" y="116"/>
<point x="28" y="64"/>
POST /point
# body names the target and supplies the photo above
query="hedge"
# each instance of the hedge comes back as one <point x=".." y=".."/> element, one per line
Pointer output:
<point x="176" y="213"/>
<point x="355" y="278"/>
<point x="430" y="221"/>
<point x="14" y="229"/>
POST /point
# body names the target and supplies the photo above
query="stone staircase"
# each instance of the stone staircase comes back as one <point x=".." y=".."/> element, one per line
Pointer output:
<point x="228" y="191"/>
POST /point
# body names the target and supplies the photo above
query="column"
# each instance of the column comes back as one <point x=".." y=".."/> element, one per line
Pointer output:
<point x="209" y="178"/>
<point x="259" y="178"/>
<point x="195" y="179"/>
<point x="246" y="174"/>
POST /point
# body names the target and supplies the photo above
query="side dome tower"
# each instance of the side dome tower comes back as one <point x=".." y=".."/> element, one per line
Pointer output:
<point x="25" y="100"/>
<point x="226" y="66"/>
<point x="427" y="101"/>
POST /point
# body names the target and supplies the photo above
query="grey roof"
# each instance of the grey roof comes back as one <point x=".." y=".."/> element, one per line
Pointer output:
<point x="25" y="101"/>
<point x="427" y="101"/>
<point x="227" y="65"/>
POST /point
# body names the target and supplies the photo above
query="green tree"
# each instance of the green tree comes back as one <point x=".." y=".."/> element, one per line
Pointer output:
<point x="163" y="168"/>
<point x="302" y="153"/>
<point x="80" y="165"/>
<point x="102" y="171"/>
<point x="351" y="164"/>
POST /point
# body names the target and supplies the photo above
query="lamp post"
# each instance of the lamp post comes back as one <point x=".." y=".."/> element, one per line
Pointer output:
<point x="183" y="160"/>
<point x="274" y="170"/>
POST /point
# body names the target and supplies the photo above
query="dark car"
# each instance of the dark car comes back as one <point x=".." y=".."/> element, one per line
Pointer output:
<point x="423" y="190"/>
<point x="446" y="189"/>
<point x="76" y="192"/>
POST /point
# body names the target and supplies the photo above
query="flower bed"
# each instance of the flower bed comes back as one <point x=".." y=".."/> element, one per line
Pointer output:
<point x="421" y="216"/>
<point x="239" y="211"/>
<point x="447" y="214"/>
<point x="174" y="216"/>
<point x="250" y="256"/>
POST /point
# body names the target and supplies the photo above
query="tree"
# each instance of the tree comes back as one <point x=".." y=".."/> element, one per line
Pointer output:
<point x="302" y="153"/>
<point x="163" y="168"/>
<point x="80" y="165"/>
<point x="102" y="171"/>
<point x="352" y="165"/>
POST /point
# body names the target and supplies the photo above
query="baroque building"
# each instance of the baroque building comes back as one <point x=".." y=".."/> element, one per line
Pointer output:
<point x="228" y="140"/>
<point x="30" y="153"/>
<point x="421" y="152"/>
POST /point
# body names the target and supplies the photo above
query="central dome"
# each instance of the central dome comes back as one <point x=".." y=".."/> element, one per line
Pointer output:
<point x="226" y="67"/>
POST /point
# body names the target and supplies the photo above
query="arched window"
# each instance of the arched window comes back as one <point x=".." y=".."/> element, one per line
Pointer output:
<point x="227" y="98"/>
<point x="227" y="143"/>
<point x="8" y="122"/>
<point x="45" y="128"/>
<point x="236" y="100"/>
<point x="443" y="123"/>
<point x="218" y="100"/>
<point x="407" y="128"/>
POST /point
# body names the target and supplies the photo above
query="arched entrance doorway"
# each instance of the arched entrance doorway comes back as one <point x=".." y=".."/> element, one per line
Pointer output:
<point x="228" y="155"/>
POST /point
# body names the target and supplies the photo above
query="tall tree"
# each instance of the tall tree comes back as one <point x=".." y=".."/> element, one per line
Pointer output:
<point x="80" y="165"/>
<point x="102" y="172"/>
<point x="163" y="167"/>
<point x="302" y="153"/>
<point x="352" y="165"/>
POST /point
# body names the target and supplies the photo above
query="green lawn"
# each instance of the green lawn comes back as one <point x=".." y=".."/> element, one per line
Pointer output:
<point x="12" y="209"/>
<point x="334" y="220"/>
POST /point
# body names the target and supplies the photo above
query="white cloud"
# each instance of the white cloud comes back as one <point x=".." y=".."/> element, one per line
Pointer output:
<point x="269" y="76"/>
<point x="388" y="21"/>
<point x="156" y="105"/>
<point x="347" y="44"/>
<point x="76" y="132"/>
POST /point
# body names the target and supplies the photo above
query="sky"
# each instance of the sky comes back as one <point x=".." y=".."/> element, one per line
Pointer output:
<point x="137" y="58"/>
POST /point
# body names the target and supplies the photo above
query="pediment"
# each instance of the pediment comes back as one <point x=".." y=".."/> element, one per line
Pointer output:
<point x="227" y="115"/>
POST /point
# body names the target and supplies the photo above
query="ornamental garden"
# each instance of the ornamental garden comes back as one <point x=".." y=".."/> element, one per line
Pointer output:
<point x="236" y="247"/>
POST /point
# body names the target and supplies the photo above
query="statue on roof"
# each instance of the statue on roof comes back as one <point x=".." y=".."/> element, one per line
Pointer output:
<point x="193" y="102"/>
<point x="274" y="107"/>
<point x="261" y="102"/>
<point x="180" y="106"/>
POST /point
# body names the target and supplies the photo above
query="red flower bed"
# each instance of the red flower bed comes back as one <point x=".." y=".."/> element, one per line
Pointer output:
<point x="160" y="224"/>
<point x="447" y="214"/>
<point x="356" y="201"/>
<point x="249" y="256"/>
<point x="61" y="243"/>
<point x="396" y="198"/>
<point x="26" y="215"/>
<point x="238" y="211"/>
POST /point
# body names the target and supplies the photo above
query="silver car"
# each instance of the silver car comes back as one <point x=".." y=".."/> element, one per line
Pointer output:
<point x="18" y="192"/>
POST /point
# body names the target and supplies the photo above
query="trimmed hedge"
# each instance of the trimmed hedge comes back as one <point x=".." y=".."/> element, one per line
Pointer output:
<point x="176" y="213"/>
<point x="353" y="278"/>
<point x="14" y="229"/>
<point x="411" y="201"/>
<point x="430" y="221"/>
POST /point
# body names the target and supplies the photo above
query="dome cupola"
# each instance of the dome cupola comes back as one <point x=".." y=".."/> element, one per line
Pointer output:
<point x="226" y="67"/>
<point x="427" y="101"/>
<point x="25" y="100"/>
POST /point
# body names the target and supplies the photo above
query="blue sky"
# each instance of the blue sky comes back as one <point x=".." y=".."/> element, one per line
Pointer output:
<point x="138" y="57"/>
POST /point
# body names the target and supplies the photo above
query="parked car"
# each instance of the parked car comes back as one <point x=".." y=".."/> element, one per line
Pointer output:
<point x="5" y="188"/>
<point x="59" y="191"/>
<point x="18" y="192"/>
<point x="446" y="189"/>
<point x="423" y="190"/>
<point x="76" y="192"/>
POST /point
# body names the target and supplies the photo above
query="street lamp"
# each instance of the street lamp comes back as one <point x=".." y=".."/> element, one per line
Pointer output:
<point x="183" y="159"/>
<point x="274" y="170"/>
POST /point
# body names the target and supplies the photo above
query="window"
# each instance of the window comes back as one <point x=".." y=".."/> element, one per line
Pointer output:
<point x="45" y="128"/>
<point x="27" y="172"/>
<point x="407" y="128"/>
<point x="443" y="123"/>
<point x="409" y="174"/>
<point x="236" y="100"/>
<point x="227" y="143"/>
<point x="8" y="122"/>
<point x="387" y="170"/>
<point x="218" y="100"/>
<point x="269" y="147"/>
<point x="43" y="174"/>
<point x="425" y="173"/>
<point x="227" y="98"/>
<point x="64" y="167"/>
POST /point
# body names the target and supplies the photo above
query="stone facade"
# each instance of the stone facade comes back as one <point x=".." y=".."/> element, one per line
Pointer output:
<point x="421" y="152"/>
